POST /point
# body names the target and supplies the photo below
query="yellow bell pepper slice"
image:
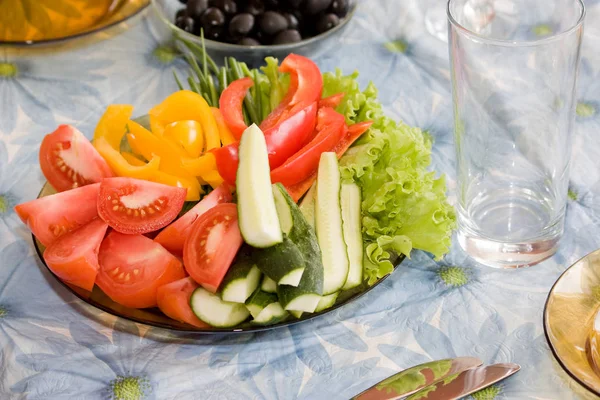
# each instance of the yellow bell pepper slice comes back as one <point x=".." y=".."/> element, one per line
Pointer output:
<point x="112" y="124"/>
<point x="213" y="178"/>
<point x="224" y="132"/>
<point x="187" y="134"/>
<point x="200" y="166"/>
<point x="191" y="184"/>
<point x="185" y="105"/>
<point x="143" y="142"/>
<point x="119" y="164"/>
<point x="156" y="125"/>
<point x="132" y="159"/>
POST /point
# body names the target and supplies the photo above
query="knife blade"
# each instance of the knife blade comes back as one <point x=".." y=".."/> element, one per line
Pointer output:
<point x="415" y="378"/>
<point x="467" y="382"/>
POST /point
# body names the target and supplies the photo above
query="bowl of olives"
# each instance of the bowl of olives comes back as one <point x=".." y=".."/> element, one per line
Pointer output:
<point x="251" y="30"/>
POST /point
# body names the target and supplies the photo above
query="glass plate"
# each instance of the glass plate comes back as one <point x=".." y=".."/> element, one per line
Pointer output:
<point x="154" y="317"/>
<point x="120" y="11"/>
<point x="568" y="317"/>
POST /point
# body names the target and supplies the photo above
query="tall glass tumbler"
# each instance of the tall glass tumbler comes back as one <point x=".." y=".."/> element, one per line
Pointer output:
<point x="513" y="87"/>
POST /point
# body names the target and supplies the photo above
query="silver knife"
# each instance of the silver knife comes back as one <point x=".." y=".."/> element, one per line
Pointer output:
<point x="465" y="383"/>
<point x="413" y="379"/>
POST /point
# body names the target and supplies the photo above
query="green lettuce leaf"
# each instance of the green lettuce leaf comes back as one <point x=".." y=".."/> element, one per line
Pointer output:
<point x="404" y="205"/>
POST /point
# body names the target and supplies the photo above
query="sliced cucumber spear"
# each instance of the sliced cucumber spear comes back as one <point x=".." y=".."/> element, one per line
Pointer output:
<point x="218" y="313"/>
<point x="296" y="314"/>
<point x="258" y="301"/>
<point x="268" y="285"/>
<point x="284" y="262"/>
<point x="257" y="215"/>
<point x="271" y="314"/>
<point x="307" y="205"/>
<point x="327" y="302"/>
<point x="241" y="280"/>
<point x="351" y="215"/>
<point x="328" y="218"/>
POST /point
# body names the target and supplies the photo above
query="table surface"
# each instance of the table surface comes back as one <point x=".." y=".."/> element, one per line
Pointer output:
<point x="53" y="346"/>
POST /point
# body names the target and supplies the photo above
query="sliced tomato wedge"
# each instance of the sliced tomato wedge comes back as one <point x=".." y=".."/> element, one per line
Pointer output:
<point x="52" y="216"/>
<point x="74" y="256"/>
<point x="330" y="130"/>
<point x="211" y="246"/>
<point x="174" y="301"/>
<point x="68" y="160"/>
<point x="355" y="131"/>
<point x="230" y="104"/>
<point x="134" y="206"/>
<point x="133" y="267"/>
<point x="283" y="141"/>
<point x="173" y="236"/>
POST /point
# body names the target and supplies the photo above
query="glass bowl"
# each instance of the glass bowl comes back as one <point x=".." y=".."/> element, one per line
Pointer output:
<point x="251" y="55"/>
<point x="569" y="315"/>
<point x="119" y="11"/>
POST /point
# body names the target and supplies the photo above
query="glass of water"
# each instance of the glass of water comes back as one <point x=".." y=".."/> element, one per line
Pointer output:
<point x="513" y="87"/>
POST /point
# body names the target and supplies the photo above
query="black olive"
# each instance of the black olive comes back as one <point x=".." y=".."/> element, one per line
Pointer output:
<point x="292" y="21"/>
<point x="229" y="7"/>
<point x="287" y="36"/>
<point x="179" y="14"/>
<point x="212" y="17"/>
<point x="326" y="22"/>
<point x="313" y="7"/>
<point x="273" y="4"/>
<point x="272" y="22"/>
<point x="248" y="41"/>
<point x="339" y="8"/>
<point x="255" y="7"/>
<point x="195" y="8"/>
<point x="183" y="1"/>
<point x="294" y="4"/>
<point x="241" y="25"/>
<point x="186" y="23"/>
<point x="214" y="33"/>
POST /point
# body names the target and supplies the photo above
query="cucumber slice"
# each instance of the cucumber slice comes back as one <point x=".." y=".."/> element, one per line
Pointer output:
<point x="350" y="200"/>
<point x="296" y="314"/>
<point x="328" y="218"/>
<point x="284" y="211"/>
<point x="241" y="280"/>
<point x="258" y="301"/>
<point x="271" y="314"/>
<point x="268" y="285"/>
<point x="305" y="302"/>
<point x="257" y="215"/>
<point x="327" y="301"/>
<point x="218" y="313"/>
<point x="307" y="205"/>
<point x="284" y="262"/>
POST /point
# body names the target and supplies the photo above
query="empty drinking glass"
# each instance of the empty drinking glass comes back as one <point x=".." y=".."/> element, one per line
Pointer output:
<point x="513" y="85"/>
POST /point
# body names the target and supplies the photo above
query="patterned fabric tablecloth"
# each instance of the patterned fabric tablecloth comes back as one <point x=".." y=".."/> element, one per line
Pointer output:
<point x="53" y="346"/>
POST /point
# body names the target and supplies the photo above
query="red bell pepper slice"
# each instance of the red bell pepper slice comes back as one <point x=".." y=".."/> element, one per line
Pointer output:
<point x="306" y="86"/>
<point x="354" y="132"/>
<point x="230" y="104"/>
<point x="283" y="141"/>
<point x="332" y="101"/>
<point x="330" y="130"/>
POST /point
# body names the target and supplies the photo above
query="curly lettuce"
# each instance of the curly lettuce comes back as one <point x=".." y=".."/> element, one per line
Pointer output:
<point x="404" y="205"/>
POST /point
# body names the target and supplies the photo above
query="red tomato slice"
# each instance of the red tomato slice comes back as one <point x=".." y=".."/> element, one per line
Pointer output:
<point x="68" y="160"/>
<point x="133" y="267"/>
<point x="134" y="206"/>
<point x="230" y="105"/>
<point x="74" y="256"/>
<point x="211" y="246"/>
<point x="173" y="236"/>
<point x="331" y="128"/>
<point x="50" y="217"/>
<point x="174" y="301"/>
<point x="332" y="101"/>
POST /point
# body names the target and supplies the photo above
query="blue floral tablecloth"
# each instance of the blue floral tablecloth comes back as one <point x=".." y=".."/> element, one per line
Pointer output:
<point x="53" y="346"/>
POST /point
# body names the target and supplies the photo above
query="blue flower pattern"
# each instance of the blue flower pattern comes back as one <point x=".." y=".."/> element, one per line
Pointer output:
<point x="53" y="346"/>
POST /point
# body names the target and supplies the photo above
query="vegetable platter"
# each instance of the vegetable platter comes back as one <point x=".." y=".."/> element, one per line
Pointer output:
<point x="257" y="199"/>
